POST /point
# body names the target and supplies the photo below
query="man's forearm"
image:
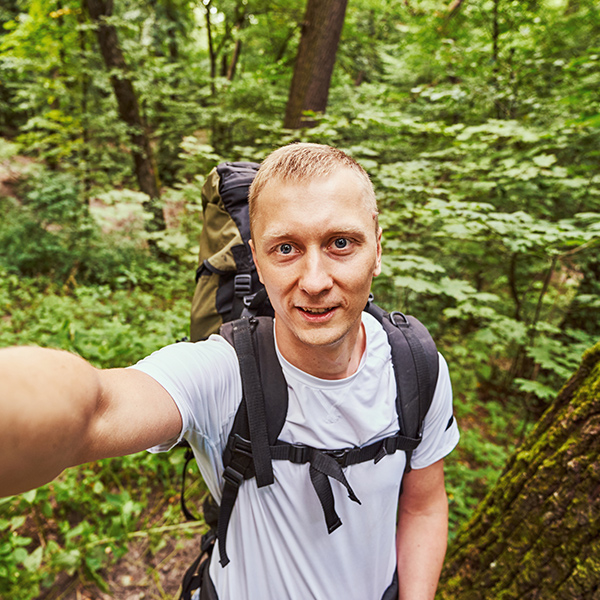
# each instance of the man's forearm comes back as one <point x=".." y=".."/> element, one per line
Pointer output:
<point x="421" y="543"/>
<point x="422" y="532"/>
<point x="421" y="549"/>
<point x="47" y="400"/>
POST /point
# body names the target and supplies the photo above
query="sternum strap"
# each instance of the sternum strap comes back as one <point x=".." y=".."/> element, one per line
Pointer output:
<point x="329" y="463"/>
<point x="324" y="464"/>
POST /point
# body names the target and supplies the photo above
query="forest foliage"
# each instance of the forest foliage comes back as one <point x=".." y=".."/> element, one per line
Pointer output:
<point x="479" y="123"/>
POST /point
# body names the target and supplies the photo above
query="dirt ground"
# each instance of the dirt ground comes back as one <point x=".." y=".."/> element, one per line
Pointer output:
<point x="136" y="576"/>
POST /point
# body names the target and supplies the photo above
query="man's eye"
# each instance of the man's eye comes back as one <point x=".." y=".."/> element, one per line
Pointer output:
<point x="341" y="243"/>
<point x="285" y="248"/>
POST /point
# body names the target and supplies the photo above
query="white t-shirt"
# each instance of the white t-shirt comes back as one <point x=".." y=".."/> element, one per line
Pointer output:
<point x="277" y="538"/>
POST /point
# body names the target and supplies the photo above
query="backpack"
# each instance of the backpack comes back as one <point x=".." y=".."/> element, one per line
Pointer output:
<point x="253" y="440"/>
<point x="226" y="276"/>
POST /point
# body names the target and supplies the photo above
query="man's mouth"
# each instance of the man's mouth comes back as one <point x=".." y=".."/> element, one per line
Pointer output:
<point x="315" y="311"/>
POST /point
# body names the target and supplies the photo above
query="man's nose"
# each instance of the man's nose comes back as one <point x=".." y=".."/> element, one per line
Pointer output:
<point x="315" y="277"/>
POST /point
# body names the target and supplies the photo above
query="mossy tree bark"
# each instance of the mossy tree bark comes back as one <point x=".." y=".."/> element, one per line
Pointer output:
<point x="537" y="533"/>
<point x="321" y="31"/>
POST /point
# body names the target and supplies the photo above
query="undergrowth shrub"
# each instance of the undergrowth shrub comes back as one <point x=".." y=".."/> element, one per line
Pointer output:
<point x="68" y="282"/>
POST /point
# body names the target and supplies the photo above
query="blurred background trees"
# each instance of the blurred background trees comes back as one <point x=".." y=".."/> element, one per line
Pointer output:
<point x="479" y="123"/>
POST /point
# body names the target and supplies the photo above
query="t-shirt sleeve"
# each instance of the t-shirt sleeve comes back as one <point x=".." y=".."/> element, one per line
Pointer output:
<point x="203" y="380"/>
<point x="440" y="430"/>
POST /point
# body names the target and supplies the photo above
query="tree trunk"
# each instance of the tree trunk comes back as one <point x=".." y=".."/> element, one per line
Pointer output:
<point x="129" y="111"/>
<point x="212" y="55"/>
<point x="321" y="30"/>
<point x="453" y="8"/>
<point x="496" y="58"/>
<point x="237" y="49"/>
<point x="85" y="117"/>
<point x="240" y="23"/>
<point x="536" y="536"/>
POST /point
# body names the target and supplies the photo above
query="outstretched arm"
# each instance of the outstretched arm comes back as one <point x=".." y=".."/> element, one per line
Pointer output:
<point x="56" y="411"/>
<point x="422" y="532"/>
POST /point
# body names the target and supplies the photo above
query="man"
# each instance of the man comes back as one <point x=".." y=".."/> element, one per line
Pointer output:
<point x="317" y="246"/>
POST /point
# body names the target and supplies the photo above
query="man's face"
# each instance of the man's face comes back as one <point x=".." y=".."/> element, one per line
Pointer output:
<point x="316" y="248"/>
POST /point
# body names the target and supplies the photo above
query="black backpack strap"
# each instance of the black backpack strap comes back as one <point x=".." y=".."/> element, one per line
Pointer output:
<point x="255" y="402"/>
<point x="416" y="366"/>
<point x="326" y="464"/>
<point x="196" y="575"/>
<point x="189" y="455"/>
<point x="260" y="416"/>
<point x="415" y="363"/>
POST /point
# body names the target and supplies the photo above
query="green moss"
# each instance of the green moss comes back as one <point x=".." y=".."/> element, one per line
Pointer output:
<point x="536" y="533"/>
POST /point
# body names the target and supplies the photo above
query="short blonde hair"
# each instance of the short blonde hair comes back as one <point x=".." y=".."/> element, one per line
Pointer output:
<point x="300" y="162"/>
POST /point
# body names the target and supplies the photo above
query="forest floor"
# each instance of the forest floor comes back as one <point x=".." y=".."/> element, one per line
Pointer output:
<point x="141" y="573"/>
<point x="138" y="575"/>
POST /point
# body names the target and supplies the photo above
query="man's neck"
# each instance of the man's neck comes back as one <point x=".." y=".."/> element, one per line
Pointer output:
<point x="335" y="361"/>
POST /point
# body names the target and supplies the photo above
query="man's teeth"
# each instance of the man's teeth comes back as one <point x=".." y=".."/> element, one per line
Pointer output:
<point x="316" y="311"/>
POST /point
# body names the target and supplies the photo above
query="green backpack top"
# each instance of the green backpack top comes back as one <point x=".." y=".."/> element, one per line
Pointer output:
<point x="226" y="278"/>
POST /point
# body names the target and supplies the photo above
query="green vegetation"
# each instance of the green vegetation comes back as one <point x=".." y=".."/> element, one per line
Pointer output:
<point x="479" y="123"/>
<point x="535" y="532"/>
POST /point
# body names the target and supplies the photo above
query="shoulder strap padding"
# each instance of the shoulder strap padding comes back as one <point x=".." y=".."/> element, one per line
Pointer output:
<point x="274" y="386"/>
<point x="416" y="366"/>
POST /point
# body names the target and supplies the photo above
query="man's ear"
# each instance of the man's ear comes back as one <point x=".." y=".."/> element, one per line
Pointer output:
<point x="377" y="269"/>
<point x="251" y="244"/>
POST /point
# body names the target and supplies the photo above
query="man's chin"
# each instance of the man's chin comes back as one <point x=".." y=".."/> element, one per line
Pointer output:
<point x="322" y="337"/>
<point x="334" y="332"/>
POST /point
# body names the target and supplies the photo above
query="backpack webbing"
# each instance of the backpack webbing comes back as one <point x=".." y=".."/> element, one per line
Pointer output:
<point x="415" y="363"/>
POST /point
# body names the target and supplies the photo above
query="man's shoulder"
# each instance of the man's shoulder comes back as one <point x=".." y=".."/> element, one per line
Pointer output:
<point x="207" y="356"/>
<point x="377" y="339"/>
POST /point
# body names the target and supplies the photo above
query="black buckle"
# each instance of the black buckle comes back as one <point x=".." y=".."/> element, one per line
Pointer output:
<point x="240" y="445"/>
<point x="242" y="284"/>
<point x="340" y="456"/>
<point x="297" y="453"/>
<point x="390" y="444"/>
<point x="233" y="477"/>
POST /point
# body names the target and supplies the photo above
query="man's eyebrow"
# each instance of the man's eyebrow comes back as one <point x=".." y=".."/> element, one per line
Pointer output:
<point x="275" y="234"/>
<point x="281" y="234"/>
<point x="353" y="232"/>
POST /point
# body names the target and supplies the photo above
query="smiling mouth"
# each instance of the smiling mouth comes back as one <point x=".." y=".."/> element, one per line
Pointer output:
<point x="315" y="311"/>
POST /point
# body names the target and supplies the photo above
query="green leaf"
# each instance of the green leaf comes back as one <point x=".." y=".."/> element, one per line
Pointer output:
<point x="540" y="390"/>
<point x="17" y="522"/>
<point x="408" y="262"/>
<point x="421" y="286"/>
<point x="544" y="160"/>
<point x="456" y="288"/>
<point x="29" y="496"/>
<point x="34" y="560"/>
<point x="67" y="560"/>
<point x="20" y="555"/>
